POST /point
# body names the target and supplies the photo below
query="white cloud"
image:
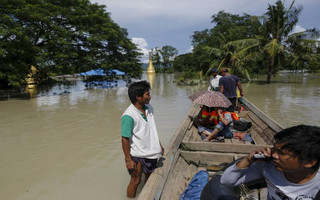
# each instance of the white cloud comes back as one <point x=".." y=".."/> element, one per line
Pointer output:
<point x="143" y="46"/>
<point x="190" y="49"/>
<point x="141" y="42"/>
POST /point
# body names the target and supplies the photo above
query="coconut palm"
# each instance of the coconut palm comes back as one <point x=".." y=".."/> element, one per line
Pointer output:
<point x="272" y="40"/>
<point x="231" y="57"/>
<point x="277" y="26"/>
<point x="303" y="48"/>
<point x="273" y="31"/>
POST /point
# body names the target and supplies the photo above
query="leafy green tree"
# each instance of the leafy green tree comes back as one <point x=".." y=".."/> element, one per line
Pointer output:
<point x="213" y="45"/>
<point x="314" y="64"/>
<point x="168" y="53"/>
<point x="200" y="38"/>
<point x="302" y="49"/>
<point x="232" y="58"/>
<point x="59" y="37"/>
<point x="254" y="45"/>
<point x="184" y="62"/>
<point x="273" y="31"/>
<point x="156" y="58"/>
<point x="273" y="38"/>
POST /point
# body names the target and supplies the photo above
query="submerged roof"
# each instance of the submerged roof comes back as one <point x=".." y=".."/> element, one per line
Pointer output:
<point x="100" y="72"/>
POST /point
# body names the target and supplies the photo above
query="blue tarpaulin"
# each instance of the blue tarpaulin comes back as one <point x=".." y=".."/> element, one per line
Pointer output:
<point x="100" y="72"/>
<point x="120" y="73"/>
<point x="194" y="188"/>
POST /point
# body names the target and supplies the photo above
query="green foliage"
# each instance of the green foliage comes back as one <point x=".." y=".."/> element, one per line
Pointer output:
<point x="189" y="78"/>
<point x="59" y="37"/>
<point x="212" y="47"/>
<point x="168" y="54"/>
<point x="253" y="45"/>
<point x="156" y="58"/>
<point x="189" y="75"/>
<point x="163" y="58"/>
<point x="228" y="27"/>
<point x="303" y="50"/>
<point x="184" y="62"/>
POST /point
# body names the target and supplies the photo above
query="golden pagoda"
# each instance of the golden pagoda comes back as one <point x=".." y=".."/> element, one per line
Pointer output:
<point x="150" y="69"/>
<point x="31" y="86"/>
<point x="30" y="80"/>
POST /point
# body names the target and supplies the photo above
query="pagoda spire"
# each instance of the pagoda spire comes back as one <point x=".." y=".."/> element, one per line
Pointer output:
<point x="150" y="69"/>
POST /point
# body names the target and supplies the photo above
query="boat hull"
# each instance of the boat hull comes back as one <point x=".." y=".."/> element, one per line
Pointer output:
<point x="187" y="153"/>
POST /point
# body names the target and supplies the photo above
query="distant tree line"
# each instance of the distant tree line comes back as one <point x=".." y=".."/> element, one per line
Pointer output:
<point x="252" y="45"/>
<point x="57" y="37"/>
<point x="61" y="37"/>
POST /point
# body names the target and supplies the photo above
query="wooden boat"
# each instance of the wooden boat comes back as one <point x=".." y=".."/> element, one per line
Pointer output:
<point x="187" y="154"/>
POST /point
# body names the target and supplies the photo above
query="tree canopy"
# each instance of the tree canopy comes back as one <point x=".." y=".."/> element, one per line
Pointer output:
<point x="211" y="47"/>
<point x="163" y="58"/>
<point x="61" y="37"/>
<point x="254" y="44"/>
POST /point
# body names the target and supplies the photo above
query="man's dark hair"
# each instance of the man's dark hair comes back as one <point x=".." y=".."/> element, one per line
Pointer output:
<point x="137" y="89"/>
<point x="224" y="69"/>
<point x="303" y="141"/>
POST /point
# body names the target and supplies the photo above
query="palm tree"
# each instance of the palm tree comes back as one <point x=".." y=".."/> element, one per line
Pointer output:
<point x="278" y="25"/>
<point x="273" y="31"/>
<point x="272" y="41"/>
<point x="303" y="48"/>
<point x="229" y="56"/>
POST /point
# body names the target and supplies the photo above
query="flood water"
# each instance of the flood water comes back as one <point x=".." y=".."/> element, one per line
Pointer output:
<point x="65" y="143"/>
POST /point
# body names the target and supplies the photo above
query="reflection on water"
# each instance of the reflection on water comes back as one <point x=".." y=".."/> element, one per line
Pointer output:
<point x="73" y="95"/>
<point x="151" y="77"/>
<point x="65" y="143"/>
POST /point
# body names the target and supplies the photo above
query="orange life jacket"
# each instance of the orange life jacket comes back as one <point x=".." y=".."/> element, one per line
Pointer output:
<point x="234" y="115"/>
<point x="213" y="116"/>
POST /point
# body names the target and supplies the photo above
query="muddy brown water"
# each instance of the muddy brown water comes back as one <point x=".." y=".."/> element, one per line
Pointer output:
<point x="65" y="143"/>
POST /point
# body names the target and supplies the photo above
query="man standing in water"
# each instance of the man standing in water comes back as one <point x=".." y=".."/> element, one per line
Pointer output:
<point x="140" y="141"/>
<point x="228" y="86"/>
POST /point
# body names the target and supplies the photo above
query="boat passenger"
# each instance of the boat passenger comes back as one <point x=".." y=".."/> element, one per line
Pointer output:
<point x="140" y="140"/>
<point x="222" y="127"/>
<point x="293" y="172"/>
<point x="228" y="86"/>
<point x="206" y="120"/>
<point x="214" y="80"/>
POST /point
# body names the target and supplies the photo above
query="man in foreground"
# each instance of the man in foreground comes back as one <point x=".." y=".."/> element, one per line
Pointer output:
<point x="140" y="141"/>
<point x="228" y="86"/>
<point x="293" y="172"/>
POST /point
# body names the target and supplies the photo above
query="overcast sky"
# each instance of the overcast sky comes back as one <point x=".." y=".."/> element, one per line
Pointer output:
<point x="155" y="23"/>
